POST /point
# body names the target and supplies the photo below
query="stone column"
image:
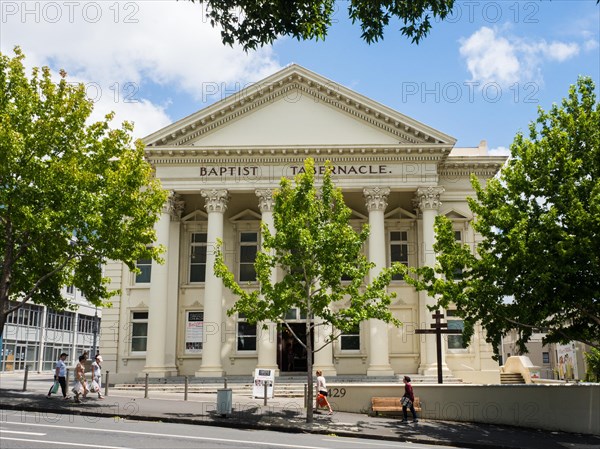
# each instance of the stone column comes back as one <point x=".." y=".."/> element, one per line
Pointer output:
<point x="214" y="326"/>
<point x="379" y="355"/>
<point x="267" y="338"/>
<point x="160" y="359"/>
<point x="428" y="202"/>
<point x="323" y="359"/>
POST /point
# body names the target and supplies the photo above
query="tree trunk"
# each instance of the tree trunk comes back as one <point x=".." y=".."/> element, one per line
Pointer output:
<point x="309" y="374"/>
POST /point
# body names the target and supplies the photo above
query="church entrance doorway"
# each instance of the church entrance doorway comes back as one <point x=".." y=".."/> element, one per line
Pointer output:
<point x="291" y="354"/>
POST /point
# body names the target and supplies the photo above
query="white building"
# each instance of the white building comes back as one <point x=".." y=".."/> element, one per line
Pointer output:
<point x="35" y="335"/>
<point x="221" y="165"/>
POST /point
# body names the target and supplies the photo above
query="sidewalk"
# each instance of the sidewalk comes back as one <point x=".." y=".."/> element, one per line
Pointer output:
<point x="280" y="414"/>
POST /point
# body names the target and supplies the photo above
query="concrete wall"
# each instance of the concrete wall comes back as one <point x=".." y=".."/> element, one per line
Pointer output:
<point x="569" y="408"/>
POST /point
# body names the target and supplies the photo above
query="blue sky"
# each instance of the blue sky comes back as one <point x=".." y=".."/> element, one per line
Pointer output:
<point x="481" y="75"/>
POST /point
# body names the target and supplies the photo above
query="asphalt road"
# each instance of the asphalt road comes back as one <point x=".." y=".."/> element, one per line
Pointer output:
<point x="26" y="431"/>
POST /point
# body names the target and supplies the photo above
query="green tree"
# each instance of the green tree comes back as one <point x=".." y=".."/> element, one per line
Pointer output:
<point x="323" y="267"/>
<point x="592" y="360"/>
<point x="253" y="23"/>
<point x="537" y="266"/>
<point x="72" y="195"/>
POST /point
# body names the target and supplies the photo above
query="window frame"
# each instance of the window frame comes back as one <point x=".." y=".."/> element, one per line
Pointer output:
<point x="191" y="245"/>
<point x="146" y="269"/>
<point x="451" y="318"/>
<point x="240" y="244"/>
<point x="389" y="242"/>
<point x="138" y="321"/>
<point x="354" y="333"/>
<point x="241" y="319"/>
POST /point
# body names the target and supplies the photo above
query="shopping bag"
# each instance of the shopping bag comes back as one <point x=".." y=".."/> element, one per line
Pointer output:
<point x="321" y="401"/>
<point x="95" y="387"/>
<point x="405" y="401"/>
<point x="77" y="388"/>
<point x="55" y="387"/>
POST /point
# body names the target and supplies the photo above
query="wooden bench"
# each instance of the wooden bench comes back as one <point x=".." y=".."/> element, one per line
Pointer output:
<point x="391" y="405"/>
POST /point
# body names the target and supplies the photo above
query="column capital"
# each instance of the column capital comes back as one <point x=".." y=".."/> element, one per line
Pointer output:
<point x="376" y="198"/>
<point x="266" y="202"/>
<point x="216" y="200"/>
<point x="428" y="198"/>
<point x="174" y="206"/>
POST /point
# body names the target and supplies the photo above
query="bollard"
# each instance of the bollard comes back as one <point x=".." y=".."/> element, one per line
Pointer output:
<point x="67" y="379"/>
<point x="25" y="378"/>
<point x="266" y="386"/>
<point x="305" y="396"/>
<point x="106" y="384"/>
<point x="185" y="390"/>
<point x="146" y="387"/>
<point x="225" y="379"/>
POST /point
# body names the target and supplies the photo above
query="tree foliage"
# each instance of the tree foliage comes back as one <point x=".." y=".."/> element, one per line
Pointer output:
<point x="72" y="195"/>
<point x="253" y="24"/>
<point x="323" y="266"/>
<point x="537" y="267"/>
<point x="592" y="361"/>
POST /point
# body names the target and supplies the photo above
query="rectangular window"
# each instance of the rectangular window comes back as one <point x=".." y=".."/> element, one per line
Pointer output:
<point x="248" y="252"/>
<point x="454" y="341"/>
<point x="59" y="320"/>
<point x="399" y="250"/>
<point x="458" y="238"/>
<point x="350" y="341"/>
<point x="139" y="331"/>
<point x="194" y="332"/>
<point x="198" y="257"/>
<point x="145" y="267"/>
<point x="246" y="335"/>
<point x="545" y="357"/>
<point x="71" y="290"/>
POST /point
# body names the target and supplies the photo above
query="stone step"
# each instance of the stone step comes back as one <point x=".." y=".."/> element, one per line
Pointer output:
<point x="511" y="378"/>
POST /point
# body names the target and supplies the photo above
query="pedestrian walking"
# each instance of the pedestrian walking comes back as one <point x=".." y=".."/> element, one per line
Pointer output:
<point x="80" y="387"/>
<point x="60" y="377"/>
<point x="97" y="376"/>
<point x="322" y="392"/>
<point x="408" y="400"/>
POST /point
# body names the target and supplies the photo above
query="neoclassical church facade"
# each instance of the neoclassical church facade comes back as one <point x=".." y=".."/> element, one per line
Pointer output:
<point x="221" y="166"/>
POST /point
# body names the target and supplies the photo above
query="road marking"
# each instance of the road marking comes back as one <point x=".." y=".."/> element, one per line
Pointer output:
<point x="361" y="442"/>
<point x="262" y="443"/>
<point x="23" y="433"/>
<point x="62" y="443"/>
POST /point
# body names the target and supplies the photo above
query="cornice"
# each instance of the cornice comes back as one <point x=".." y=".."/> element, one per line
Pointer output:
<point x="478" y="165"/>
<point x="280" y="84"/>
<point x="266" y="155"/>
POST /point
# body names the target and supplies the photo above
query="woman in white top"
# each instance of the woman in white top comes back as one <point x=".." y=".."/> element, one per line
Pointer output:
<point x="97" y="374"/>
<point x="322" y="390"/>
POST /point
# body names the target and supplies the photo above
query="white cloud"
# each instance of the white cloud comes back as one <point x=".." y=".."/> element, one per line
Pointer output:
<point x="494" y="58"/>
<point x="490" y="58"/>
<point x="143" y="43"/>
<point x="499" y="151"/>
<point x="591" y="44"/>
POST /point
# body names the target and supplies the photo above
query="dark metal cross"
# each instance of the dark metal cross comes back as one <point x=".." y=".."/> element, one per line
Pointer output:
<point x="438" y="331"/>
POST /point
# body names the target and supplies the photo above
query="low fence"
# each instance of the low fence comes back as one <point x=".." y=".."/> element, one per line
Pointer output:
<point x="565" y="407"/>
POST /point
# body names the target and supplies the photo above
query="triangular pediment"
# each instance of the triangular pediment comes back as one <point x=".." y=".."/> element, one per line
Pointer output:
<point x="400" y="214"/>
<point x="197" y="215"/>
<point x="296" y="107"/>
<point x="453" y="214"/>
<point x="247" y="214"/>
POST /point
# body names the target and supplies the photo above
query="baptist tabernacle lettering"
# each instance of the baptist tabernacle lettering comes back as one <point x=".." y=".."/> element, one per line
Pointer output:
<point x="229" y="171"/>
<point x="347" y="170"/>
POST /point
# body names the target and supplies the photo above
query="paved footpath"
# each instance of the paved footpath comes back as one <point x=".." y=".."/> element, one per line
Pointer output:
<point x="280" y="414"/>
